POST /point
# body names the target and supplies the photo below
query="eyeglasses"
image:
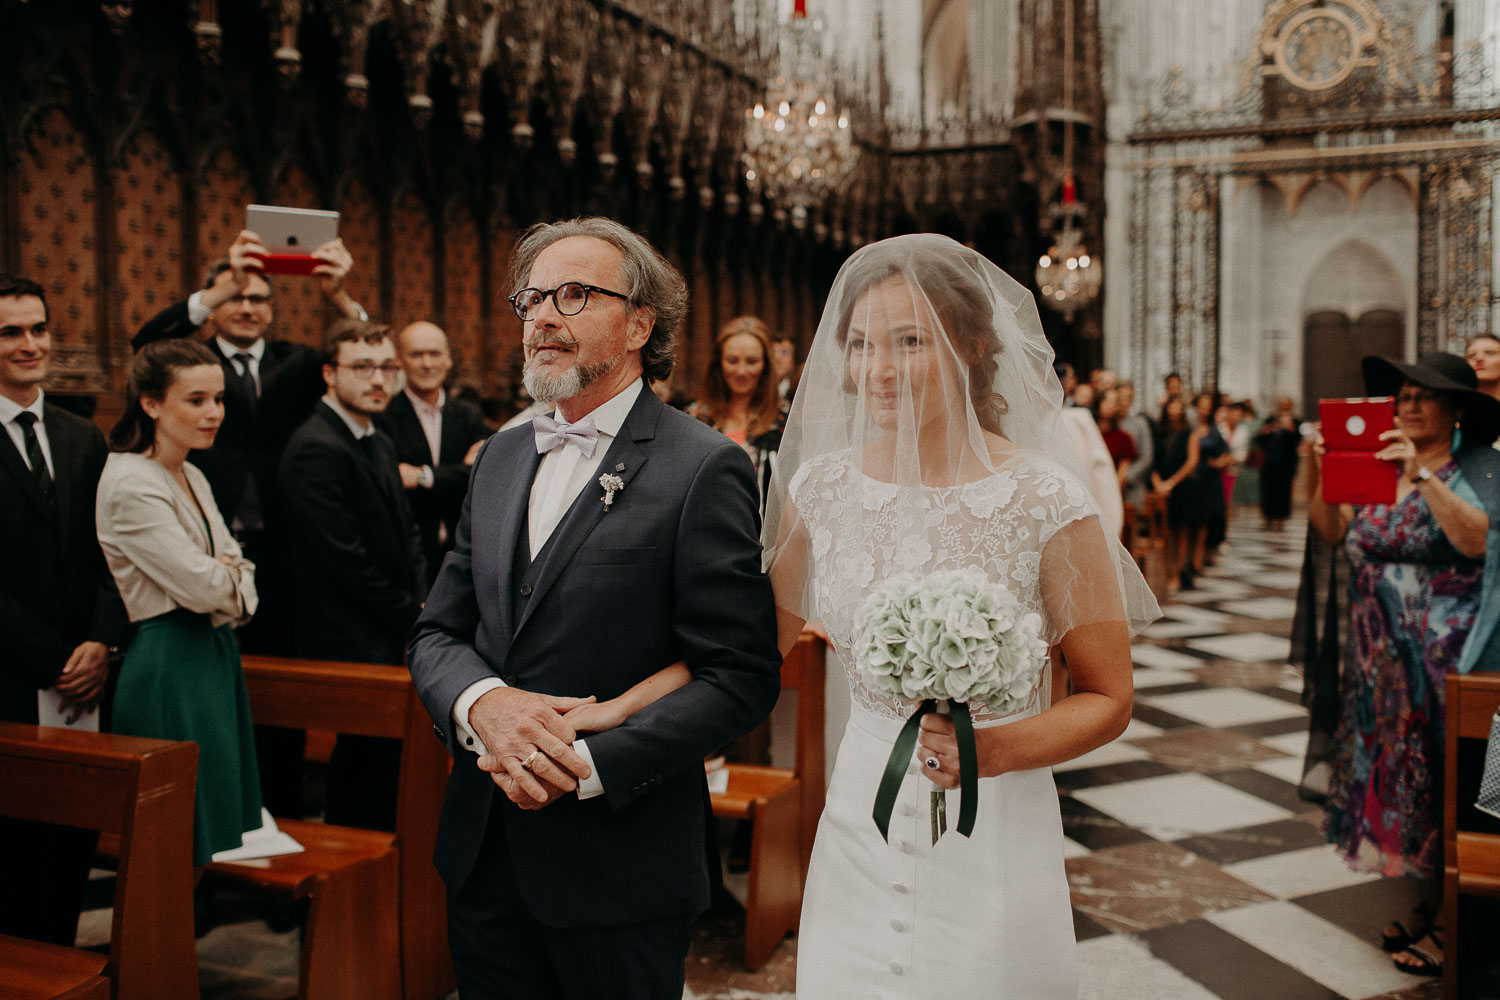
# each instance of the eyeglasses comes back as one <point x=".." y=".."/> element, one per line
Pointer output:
<point x="365" y="370"/>
<point x="1417" y="398"/>
<point x="569" y="297"/>
<point x="249" y="300"/>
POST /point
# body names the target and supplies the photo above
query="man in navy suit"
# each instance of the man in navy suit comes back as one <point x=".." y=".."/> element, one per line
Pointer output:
<point x="610" y="540"/>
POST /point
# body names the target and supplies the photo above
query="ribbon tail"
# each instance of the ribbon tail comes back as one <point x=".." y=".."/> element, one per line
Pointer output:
<point x="968" y="768"/>
<point x="895" y="770"/>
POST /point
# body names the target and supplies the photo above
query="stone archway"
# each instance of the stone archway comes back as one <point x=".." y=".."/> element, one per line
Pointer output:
<point x="1352" y="305"/>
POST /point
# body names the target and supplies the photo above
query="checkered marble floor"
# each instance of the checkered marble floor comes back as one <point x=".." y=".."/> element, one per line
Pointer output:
<point x="1197" y="872"/>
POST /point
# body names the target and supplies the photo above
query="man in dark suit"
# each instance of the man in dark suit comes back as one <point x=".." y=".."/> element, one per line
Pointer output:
<point x="574" y="865"/>
<point x="357" y="556"/>
<point x="436" y="438"/>
<point x="60" y="614"/>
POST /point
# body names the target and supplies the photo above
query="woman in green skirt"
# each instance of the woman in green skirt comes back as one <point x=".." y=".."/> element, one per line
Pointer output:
<point x="185" y="582"/>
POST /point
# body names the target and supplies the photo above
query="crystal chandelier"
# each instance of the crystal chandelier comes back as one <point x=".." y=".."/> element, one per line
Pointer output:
<point x="1067" y="274"/>
<point x="798" y="149"/>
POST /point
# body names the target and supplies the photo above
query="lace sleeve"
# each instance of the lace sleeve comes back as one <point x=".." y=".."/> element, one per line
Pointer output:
<point x="1084" y="580"/>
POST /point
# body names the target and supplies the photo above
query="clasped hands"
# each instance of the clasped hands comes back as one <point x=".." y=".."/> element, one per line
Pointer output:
<point x="530" y="738"/>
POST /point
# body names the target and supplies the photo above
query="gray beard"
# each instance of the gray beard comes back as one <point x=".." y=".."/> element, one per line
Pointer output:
<point x="545" y="388"/>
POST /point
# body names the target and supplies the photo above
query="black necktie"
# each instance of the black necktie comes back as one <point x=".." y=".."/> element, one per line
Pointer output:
<point x="247" y="377"/>
<point x="34" y="456"/>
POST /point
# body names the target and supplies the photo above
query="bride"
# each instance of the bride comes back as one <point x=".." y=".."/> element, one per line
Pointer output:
<point x="925" y="437"/>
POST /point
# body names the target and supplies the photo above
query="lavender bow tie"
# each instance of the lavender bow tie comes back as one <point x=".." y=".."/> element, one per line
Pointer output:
<point x="550" y="434"/>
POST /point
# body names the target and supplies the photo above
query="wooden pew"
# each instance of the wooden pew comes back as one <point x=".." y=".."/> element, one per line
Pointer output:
<point x="140" y="791"/>
<point x="784" y="806"/>
<point x="377" y="923"/>
<point x="1471" y="860"/>
<point x="1149" y="546"/>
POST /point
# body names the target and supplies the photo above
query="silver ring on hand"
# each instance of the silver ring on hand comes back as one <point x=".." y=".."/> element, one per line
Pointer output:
<point x="530" y="760"/>
<point x="932" y="763"/>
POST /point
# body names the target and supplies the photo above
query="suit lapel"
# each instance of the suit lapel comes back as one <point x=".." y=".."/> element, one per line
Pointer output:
<point x="66" y="455"/>
<point x="588" y="507"/>
<point x="13" y="463"/>
<point x="514" y="470"/>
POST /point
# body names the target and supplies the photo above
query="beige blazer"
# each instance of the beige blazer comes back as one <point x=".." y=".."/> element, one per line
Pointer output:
<point x="153" y="538"/>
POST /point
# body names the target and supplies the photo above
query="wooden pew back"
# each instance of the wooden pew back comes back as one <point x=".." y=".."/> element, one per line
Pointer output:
<point x="1471" y="860"/>
<point x="141" y="791"/>
<point x="371" y="700"/>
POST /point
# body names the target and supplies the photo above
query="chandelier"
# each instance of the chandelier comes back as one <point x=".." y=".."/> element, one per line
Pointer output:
<point x="1067" y="274"/>
<point x="798" y="149"/>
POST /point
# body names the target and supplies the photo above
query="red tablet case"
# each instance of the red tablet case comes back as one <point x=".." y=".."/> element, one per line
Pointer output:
<point x="289" y="263"/>
<point x="1351" y="437"/>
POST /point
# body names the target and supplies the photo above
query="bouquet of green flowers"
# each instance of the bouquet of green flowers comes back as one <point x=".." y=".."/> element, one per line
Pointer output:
<point x="955" y="637"/>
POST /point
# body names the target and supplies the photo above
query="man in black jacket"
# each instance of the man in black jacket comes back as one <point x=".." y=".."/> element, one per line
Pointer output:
<point x="270" y="386"/>
<point x="436" y="438"/>
<point x="356" y="553"/>
<point x="60" y="614"/>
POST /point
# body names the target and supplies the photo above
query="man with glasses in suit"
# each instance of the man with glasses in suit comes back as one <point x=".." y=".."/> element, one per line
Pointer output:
<point x="356" y="552"/>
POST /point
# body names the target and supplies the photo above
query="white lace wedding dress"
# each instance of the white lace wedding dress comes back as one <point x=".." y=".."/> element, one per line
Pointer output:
<point x="987" y="916"/>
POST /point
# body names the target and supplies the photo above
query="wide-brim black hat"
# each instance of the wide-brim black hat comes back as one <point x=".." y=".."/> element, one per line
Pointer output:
<point x="1441" y="372"/>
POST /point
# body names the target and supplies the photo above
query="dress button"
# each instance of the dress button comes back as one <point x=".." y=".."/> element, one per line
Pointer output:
<point x="907" y="809"/>
<point x="526" y="590"/>
<point x="900" y="887"/>
<point x="906" y="847"/>
<point x="898" y="925"/>
<point x="898" y="969"/>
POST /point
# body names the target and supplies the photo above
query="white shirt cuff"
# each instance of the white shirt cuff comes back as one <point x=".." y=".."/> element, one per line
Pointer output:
<point x="198" y="313"/>
<point x="467" y="738"/>
<point x="591" y="786"/>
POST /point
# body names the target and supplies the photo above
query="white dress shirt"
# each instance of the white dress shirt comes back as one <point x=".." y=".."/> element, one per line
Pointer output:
<point x="9" y="411"/>
<point x="431" y="419"/>
<point x="256" y="351"/>
<point x="356" y="428"/>
<point x="561" y="476"/>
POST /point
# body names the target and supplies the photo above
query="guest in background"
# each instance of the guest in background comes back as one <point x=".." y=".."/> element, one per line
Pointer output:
<point x="1083" y="396"/>
<point x="1483" y="355"/>
<point x="739" y="394"/>
<point x="1419" y="607"/>
<point x="1102" y="379"/>
<point x="357" y="553"/>
<point x="1171" y="386"/>
<point x="1213" y="458"/>
<point x="1138" y="426"/>
<point x="1278" y="440"/>
<point x="60" y="614"/>
<point x="185" y="582"/>
<point x="1173" y="477"/>
<point x="1232" y="426"/>
<point x="1099" y="469"/>
<point x="1121" y="445"/>
<point x="435" y="436"/>
<point x="1069" y="379"/>
<point x="784" y="368"/>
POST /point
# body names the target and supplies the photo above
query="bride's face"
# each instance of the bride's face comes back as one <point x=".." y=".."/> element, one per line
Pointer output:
<point x="896" y="358"/>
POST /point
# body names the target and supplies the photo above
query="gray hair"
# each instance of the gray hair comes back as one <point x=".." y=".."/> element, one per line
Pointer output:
<point x="650" y="281"/>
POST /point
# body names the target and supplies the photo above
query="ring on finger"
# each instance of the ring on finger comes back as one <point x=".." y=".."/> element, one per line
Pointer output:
<point x="530" y="760"/>
<point x="932" y="762"/>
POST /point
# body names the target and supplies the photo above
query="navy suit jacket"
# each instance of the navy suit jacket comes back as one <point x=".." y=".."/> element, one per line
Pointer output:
<point x="671" y="572"/>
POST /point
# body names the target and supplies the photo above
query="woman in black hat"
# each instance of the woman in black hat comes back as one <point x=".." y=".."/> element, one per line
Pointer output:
<point x="1416" y="605"/>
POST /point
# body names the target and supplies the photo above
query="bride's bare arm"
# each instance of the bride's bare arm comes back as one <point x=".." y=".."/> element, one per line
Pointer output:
<point x="1081" y="593"/>
<point x="596" y="717"/>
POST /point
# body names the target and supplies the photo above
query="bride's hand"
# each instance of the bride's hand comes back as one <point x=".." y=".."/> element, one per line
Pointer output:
<point x="596" y="717"/>
<point x="936" y="743"/>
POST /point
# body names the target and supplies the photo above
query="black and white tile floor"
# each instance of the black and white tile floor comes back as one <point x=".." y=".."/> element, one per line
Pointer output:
<point x="1197" y="872"/>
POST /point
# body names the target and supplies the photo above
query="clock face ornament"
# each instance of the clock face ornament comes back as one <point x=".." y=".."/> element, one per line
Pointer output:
<point x="1318" y="49"/>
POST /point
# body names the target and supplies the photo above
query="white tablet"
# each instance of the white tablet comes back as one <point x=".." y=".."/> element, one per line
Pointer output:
<point x="291" y="230"/>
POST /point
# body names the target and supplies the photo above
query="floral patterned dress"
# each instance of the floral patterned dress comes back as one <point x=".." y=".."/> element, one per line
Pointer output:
<point x="1413" y="598"/>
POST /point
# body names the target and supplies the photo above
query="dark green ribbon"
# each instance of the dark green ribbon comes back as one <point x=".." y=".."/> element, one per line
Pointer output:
<point x="901" y="753"/>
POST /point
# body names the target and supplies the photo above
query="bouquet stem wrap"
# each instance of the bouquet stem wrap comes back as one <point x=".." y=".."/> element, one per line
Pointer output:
<point x="901" y="752"/>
